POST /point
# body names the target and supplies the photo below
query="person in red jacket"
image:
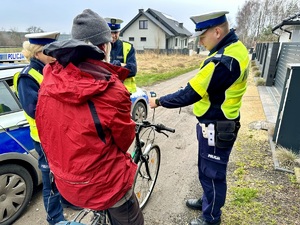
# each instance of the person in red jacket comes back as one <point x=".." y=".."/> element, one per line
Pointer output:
<point x="84" y="122"/>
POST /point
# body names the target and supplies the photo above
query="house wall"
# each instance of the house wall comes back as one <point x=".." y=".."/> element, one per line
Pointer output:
<point x="155" y="37"/>
<point x="284" y="37"/>
<point x="293" y="37"/>
<point x="181" y="43"/>
<point x="295" y="34"/>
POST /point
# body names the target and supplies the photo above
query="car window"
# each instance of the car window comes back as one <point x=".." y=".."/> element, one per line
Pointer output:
<point x="8" y="102"/>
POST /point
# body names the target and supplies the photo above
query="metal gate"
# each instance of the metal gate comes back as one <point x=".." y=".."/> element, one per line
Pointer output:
<point x="289" y="53"/>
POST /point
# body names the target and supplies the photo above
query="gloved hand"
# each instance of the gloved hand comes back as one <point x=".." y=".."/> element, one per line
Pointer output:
<point x="116" y="62"/>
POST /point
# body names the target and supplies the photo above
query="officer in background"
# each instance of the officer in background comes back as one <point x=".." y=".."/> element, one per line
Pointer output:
<point x="122" y="53"/>
<point x="27" y="84"/>
<point x="216" y="92"/>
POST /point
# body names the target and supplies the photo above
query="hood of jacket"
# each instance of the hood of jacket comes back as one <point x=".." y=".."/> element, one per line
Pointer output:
<point x="78" y="74"/>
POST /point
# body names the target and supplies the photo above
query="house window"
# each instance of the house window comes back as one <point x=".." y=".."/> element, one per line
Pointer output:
<point x="176" y="42"/>
<point x="131" y="38"/>
<point x="143" y="39"/>
<point x="143" y="24"/>
<point x="185" y="42"/>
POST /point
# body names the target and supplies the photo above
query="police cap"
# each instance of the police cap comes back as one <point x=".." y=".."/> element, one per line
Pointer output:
<point x="114" y="23"/>
<point x="208" y="20"/>
<point x="42" y="38"/>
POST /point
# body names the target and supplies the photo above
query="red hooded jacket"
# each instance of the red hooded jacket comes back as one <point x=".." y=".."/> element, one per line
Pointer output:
<point x="85" y="127"/>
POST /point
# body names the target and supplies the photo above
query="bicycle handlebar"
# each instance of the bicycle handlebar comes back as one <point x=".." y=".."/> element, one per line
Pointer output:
<point x="161" y="127"/>
<point x="158" y="127"/>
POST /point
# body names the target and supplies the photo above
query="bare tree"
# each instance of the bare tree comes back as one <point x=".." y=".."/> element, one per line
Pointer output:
<point x="248" y="21"/>
<point x="34" y="29"/>
<point x="257" y="17"/>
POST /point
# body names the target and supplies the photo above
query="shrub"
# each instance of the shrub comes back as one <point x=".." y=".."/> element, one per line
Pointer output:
<point x="285" y="157"/>
<point x="260" y="82"/>
<point x="257" y="74"/>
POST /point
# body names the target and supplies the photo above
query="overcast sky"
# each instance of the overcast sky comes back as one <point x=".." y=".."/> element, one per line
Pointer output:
<point x="57" y="15"/>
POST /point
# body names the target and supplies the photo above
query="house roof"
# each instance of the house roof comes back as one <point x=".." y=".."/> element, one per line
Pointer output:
<point x="287" y="22"/>
<point x="168" y="24"/>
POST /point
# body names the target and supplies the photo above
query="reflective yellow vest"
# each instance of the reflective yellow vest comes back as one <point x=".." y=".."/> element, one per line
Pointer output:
<point x="128" y="82"/>
<point x="39" y="78"/>
<point x="4" y="108"/>
<point x="233" y="95"/>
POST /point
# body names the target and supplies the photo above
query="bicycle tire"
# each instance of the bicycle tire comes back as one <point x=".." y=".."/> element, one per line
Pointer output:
<point x="143" y="187"/>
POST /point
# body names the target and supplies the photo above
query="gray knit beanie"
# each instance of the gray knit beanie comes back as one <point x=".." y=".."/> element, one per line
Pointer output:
<point x="89" y="26"/>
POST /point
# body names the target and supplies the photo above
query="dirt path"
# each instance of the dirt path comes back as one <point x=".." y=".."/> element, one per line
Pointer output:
<point x="177" y="179"/>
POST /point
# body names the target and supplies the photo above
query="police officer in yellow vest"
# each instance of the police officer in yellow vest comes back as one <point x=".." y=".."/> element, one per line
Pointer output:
<point x="216" y="94"/>
<point x="122" y="53"/>
<point x="27" y="84"/>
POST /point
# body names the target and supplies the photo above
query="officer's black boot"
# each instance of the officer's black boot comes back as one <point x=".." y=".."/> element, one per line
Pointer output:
<point x="194" y="203"/>
<point x="201" y="221"/>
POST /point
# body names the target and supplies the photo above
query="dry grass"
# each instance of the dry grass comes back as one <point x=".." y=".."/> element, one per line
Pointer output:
<point x="255" y="68"/>
<point x="149" y="63"/>
<point x="257" y="74"/>
<point x="260" y="81"/>
<point x="287" y="158"/>
<point x="154" y="67"/>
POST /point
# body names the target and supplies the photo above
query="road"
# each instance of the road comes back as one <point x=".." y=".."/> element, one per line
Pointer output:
<point x="177" y="178"/>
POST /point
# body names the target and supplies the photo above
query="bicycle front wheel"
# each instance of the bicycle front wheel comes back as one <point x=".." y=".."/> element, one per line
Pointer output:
<point x="144" y="180"/>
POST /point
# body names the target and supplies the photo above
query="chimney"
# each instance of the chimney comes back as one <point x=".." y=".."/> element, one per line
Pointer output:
<point x="141" y="10"/>
<point x="181" y="25"/>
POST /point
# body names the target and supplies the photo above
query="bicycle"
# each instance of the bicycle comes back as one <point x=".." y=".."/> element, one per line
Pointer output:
<point x="146" y="155"/>
<point x="147" y="159"/>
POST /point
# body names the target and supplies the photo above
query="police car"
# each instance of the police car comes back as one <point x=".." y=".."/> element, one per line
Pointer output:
<point x="19" y="172"/>
<point x="139" y="107"/>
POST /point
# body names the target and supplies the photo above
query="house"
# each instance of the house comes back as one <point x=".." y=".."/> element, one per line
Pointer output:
<point x="155" y="30"/>
<point x="289" y="29"/>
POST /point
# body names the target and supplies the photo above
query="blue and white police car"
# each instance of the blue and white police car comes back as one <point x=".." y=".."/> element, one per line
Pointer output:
<point x="19" y="172"/>
<point x="140" y="103"/>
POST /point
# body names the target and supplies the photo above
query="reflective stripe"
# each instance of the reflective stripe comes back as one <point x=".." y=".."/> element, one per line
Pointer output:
<point x="214" y="199"/>
<point x="28" y="71"/>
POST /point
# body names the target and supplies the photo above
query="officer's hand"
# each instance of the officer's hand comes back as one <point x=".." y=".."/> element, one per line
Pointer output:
<point x="152" y="103"/>
<point x="116" y="63"/>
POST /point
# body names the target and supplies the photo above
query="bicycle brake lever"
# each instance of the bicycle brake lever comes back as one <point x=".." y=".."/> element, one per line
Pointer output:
<point x="164" y="133"/>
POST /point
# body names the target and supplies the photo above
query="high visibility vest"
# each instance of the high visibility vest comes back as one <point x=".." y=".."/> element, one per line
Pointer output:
<point x="233" y="95"/>
<point x="28" y="71"/>
<point x="4" y="108"/>
<point x="128" y="82"/>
